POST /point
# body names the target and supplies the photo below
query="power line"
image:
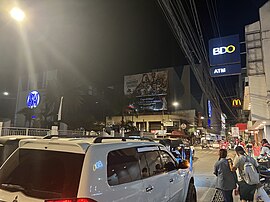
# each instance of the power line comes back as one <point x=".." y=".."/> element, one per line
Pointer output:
<point x="191" y="42"/>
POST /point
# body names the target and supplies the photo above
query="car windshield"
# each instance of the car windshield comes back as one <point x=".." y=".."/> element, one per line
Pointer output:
<point x="42" y="174"/>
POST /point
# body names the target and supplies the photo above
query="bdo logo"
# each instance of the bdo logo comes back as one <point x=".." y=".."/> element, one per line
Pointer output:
<point x="222" y="50"/>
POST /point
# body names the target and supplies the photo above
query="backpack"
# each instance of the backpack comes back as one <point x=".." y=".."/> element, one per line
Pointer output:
<point x="250" y="173"/>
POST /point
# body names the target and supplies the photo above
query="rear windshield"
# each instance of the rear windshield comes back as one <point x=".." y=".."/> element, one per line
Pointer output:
<point x="42" y="174"/>
<point x="7" y="148"/>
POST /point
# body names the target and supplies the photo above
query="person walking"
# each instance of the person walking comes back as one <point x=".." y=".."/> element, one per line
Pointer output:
<point x="226" y="181"/>
<point x="265" y="149"/>
<point x="246" y="191"/>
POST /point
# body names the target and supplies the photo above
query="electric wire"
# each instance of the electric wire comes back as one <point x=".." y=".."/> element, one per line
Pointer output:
<point x="183" y="37"/>
<point x="215" y="12"/>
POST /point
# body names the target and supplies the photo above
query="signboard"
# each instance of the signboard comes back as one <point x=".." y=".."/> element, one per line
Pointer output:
<point x="147" y="84"/>
<point x="209" y="107"/>
<point x="241" y="126"/>
<point x="223" y="121"/>
<point x="225" y="70"/>
<point x="168" y="123"/>
<point x="224" y="50"/>
<point x="236" y="103"/>
<point x="153" y="103"/>
<point x="235" y="131"/>
<point x="33" y="99"/>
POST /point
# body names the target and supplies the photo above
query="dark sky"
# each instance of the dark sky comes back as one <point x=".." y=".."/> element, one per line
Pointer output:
<point x="103" y="40"/>
<point x="97" y="39"/>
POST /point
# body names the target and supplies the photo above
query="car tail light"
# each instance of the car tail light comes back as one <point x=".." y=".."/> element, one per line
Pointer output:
<point x="71" y="200"/>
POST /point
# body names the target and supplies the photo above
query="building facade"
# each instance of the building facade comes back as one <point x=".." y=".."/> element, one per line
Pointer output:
<point x="257" y="89"/>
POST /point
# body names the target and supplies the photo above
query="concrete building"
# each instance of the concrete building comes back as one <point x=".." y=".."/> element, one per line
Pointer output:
<point x="257" y="90"/>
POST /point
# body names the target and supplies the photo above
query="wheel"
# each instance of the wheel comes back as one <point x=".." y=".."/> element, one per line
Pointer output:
<point x="191" y="195"/>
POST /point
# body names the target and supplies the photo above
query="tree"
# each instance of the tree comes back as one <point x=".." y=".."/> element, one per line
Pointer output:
<point x="70" y="88"/>
<point x="28" y="115"/>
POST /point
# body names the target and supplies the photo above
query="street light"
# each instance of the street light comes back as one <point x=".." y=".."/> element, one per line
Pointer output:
<point x="175" y="104"/>
<point x="6" y="93"/>
<point x="17" y="14"/>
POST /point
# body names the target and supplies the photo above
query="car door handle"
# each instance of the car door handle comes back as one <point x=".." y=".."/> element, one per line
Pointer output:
<point x="171" y="180"/>
<point x="150" y="188"/>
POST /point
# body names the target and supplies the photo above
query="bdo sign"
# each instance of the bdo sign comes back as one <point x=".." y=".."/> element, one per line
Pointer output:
<point x="224" y="50"/>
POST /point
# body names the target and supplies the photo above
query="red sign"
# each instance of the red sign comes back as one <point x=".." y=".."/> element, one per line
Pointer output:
<point x="241" y="126"/>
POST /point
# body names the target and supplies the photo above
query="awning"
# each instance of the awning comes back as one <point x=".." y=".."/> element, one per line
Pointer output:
<point x="259" y="124"/>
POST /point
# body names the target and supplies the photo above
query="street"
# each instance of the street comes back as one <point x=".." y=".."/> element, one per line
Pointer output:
<point x="203" y="169"/>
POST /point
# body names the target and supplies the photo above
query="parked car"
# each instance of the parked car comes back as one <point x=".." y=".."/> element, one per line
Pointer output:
<point x="179" y="147"/>
<point x="101" y="169"/>
<point x="9" y="144"/>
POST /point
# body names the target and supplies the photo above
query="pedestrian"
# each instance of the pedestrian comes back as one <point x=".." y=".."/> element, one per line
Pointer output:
<point x="246" y="191"/>
<point x="226" y="180"/>
<point x="249" y="149"/>
<point x="265" y="149"/>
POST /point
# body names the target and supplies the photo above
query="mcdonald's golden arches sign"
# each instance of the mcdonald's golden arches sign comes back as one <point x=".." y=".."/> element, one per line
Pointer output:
<point x="236" y="102"/>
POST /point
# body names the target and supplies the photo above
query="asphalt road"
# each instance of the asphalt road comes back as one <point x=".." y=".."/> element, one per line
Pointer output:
<point x="203" y="169"/>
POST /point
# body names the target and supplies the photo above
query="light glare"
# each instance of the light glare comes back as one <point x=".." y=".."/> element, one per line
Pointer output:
<point x="17" y="14"/>
<point x="175" y="104"/>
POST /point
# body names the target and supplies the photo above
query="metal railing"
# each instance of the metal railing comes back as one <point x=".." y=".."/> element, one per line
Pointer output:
<point x="73" y="132"/>
<point x="24" y="131"/>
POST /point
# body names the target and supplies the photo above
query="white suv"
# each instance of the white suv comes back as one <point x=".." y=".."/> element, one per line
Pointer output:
<point x="101" y="169"/>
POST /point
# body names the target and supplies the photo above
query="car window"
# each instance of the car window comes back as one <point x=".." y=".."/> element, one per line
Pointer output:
<point x="153" y="162"/>
<point x="8" y="148"/>
<point x="143" y="165"/>
<point x="123" y="166"/>
<point x="168" y="163"/>
<point x="53" y="174"/>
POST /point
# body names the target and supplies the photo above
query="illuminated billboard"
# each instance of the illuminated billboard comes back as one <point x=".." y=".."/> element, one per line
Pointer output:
<point x="224" y="50"/>
<point x="209" y="107"/>
<point x="33" y="99"/>
<point x="224" y="56"/>
<point x="152" y="103"/>
<point x="236" y="103"/>
<point x="147" y="84"/>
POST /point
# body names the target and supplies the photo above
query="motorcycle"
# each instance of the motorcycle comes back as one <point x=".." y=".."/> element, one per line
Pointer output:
<point x="264" y="172"/>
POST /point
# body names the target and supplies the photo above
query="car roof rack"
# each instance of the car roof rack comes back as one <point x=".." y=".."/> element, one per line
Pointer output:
<point x="99" y="139"/>
<point x="69" y="136"/>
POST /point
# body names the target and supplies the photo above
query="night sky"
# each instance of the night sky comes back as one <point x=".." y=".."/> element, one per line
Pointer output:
<point x="103" y="40"/>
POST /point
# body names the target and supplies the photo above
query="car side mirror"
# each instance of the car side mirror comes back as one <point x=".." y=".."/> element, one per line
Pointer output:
<point x="184" y="164"/>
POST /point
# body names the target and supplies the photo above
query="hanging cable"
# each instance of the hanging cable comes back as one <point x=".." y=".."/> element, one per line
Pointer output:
<point x="184" y="33"/>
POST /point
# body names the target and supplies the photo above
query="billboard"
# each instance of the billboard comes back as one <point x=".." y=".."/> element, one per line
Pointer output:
<point x="224" y="50"/>
<point x="147" y="84"/>
<point x="151" y="103"/>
